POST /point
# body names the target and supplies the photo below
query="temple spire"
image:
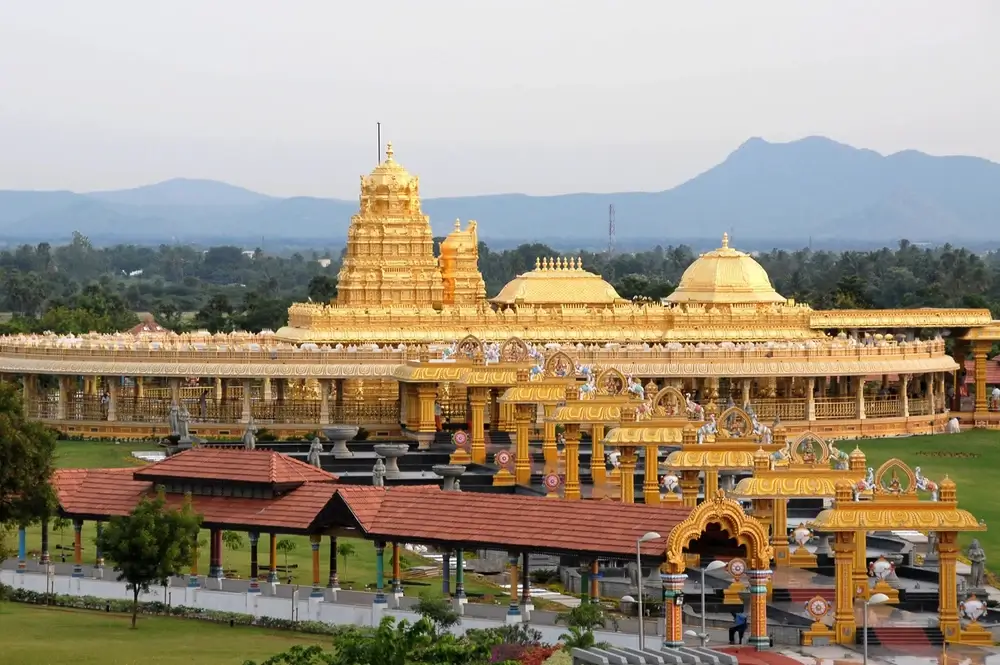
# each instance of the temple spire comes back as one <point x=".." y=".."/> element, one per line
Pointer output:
<point x="388" y="151"/>
<point x="725" y="240"/>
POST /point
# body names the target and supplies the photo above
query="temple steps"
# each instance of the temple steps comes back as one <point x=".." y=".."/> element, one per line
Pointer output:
<point x="915" y="640"/>
<point x="803" y="595"/>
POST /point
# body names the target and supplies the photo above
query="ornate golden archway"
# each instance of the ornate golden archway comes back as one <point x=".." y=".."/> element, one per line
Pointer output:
<point x="747" y="532"/>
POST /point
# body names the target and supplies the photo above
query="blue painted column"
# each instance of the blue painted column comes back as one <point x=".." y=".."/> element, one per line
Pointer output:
<point x="22" y="550"/>
<point x="379" y="574"/>
<point x="513" y="610"/>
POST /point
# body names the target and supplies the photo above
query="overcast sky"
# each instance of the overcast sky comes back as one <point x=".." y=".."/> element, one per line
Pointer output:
<point x="541" y="96"/>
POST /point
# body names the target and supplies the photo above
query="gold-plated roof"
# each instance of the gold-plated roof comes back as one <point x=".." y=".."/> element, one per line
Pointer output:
<point x="641" y="436"/>
<point x="461" y="238"/>
<point x="707" y="458"/>
<point x="558" y="281"/>
<point x="389" y="171"/>
<point x="788" y="486"/>
<point x="535" y="393"/>
<point x="725" y="276"/>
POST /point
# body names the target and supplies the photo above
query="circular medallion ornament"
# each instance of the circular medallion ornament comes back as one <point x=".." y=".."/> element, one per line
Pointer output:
<point x="552" y="482"/>
<point x="817" y="607"/>
<point x="503" y="458"/>
<point x="460" y="438"/>
<point x="737" y="567"/>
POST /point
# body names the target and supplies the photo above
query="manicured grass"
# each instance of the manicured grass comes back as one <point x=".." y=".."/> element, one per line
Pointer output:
<point x="976" y="476"/>
<point x="98" y="454"/>
<point x="33" y="635"/>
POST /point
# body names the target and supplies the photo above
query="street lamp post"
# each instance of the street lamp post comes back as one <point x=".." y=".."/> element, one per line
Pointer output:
<point x="715" y="565"/>
<point x="876" y="599"/>
<point x="646" y="537"/>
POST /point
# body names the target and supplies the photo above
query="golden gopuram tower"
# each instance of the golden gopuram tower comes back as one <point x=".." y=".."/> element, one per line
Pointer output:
<point x="390" y="247"/>
<point x="463" y="283"/>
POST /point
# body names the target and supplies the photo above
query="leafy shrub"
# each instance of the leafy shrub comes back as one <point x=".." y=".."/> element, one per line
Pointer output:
<point x="545" y="576"/>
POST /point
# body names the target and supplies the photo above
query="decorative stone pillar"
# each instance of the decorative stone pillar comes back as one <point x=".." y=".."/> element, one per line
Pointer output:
<point x="811" y="398"/>
<point x="77" y="548"/>
<point x="598" y="470"/>
<point x="98" y="554"/>
<point x="333" y="581"/>
<point x="175" y="390"/>
<point x="219" y="390"/>
<point x="979" y="351"/>
<point x="266" y="389"/>
<point x="254" y="538"/>
<point x="689" y="488"/>
<point x="759" y="580"/>
<point x="626" y="468"/>
<point x="460" y="597"/>
<point x="860" y="392"/>
<point x="549" y="434"/>
<point x="113" y="385"/>
<point x="506" y="417"/>
<point x="526" y="605"/>
<point x="572" y="489"/>
<point x="595" y="582"/>
<point x="711" y="483"/>
<point x="397" y="577"/>
<point x="272" y="573"/>
<point x="247" y="413"/>
<point x="651" y="479"/>
<point x="779" y="531"/>
<point x="62" y="398"/>
<point x="380" y="601"/>
<point x="522" y="454"/>
<point x="673" y="586"/>
<point x="745" y="386"/>
<point x="947" y="546"/>
<point x="844" y="624"/>
<point x="324" y="399"/>
<point x="22" y="551"/>
<point x="859" y="570"/>
<point x="904" y="393"/>
<point x="317" y="590"/>
<point x="140" y="387"/>
<point x="513" y="610"/>
<point x="477" y="405"/>
<point x="215" y="554"/>
<point x="426" y="398"/>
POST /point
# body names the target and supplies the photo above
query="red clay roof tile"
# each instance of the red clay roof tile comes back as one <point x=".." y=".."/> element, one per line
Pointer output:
<point x="236" y="465"/>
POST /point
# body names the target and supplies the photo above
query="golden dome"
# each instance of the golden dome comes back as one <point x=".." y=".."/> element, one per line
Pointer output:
<point x="389" y="171"/>
<point x="857" y="453"/>
<point x="558" y="281"/>
<point x="725" y="276"/>
<point x="459" y="239"/>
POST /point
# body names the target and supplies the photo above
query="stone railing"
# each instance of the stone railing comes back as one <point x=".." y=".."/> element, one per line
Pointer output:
<point x="836" y="408"/>
<point x="883" y="407"/>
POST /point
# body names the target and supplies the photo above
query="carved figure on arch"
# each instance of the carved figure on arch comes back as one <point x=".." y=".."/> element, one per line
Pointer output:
<point x="669" y="402"/>
<point x="708" y="429"/>
<point x="735" y="423"/>
<point x="866" y="485"/>
<point x="635" y="388"/>
<point x="611" y="382"/>
<point x="470" y="347"/>
<point x="560" y="365"/>
<point x="925" y="484"/>
<point x="514" y="350"/>
<point x="589" y="389"/>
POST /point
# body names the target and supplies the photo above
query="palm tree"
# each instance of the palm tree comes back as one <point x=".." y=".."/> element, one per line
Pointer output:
<point x="345" y="550"/>
<point x="285" y="545"/>
<point x="578" y="638"/>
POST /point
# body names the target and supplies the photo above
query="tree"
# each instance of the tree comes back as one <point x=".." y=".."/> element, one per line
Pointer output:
<point x="322" y="288"/>
<point x="26" y="459"/>
<point x="151" y="544"/>
<point x="581" y="621"/>
<point x="438" y="611"/>
<point x="59" y="525"/>
<point x="285" y="546"/>
<point x="233" y="540"/>
<point x="345" y="551"/>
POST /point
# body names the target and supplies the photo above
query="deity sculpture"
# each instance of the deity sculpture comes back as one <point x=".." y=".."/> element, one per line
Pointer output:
<point x="635" y="388"/>
<point x="378" y="473"/>
<point x="866" y="485"/>
<point x="174" y="420"/>
<point x="250" y="436"/>
<point x="926" y="484"/>
<point x="589" y="388"/>
<point x="314" y="450"/>
<point x="709" y="428"/>
<point x="977" y="561"/>
<point x="183" y="418"/>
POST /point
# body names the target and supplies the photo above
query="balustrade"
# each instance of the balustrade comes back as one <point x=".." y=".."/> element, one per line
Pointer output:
<point x="793" y="408"/>
<point x="884" y="407"/>
<point x="836" y="408"/>
<point x="920" y="406"/>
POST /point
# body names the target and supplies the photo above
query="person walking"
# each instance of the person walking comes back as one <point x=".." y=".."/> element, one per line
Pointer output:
<point x="739" y="627"/>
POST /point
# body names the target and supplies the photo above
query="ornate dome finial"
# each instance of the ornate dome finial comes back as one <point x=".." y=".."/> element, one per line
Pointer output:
<point x="725" y="236"/>
<point x="388" y="151"/>
<point x="458" y="224"/>
<point x="538" y="263"/>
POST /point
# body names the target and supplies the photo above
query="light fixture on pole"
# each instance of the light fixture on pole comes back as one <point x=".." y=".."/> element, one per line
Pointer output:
<point x="876" y="599"/>
<point x="703" y="636"/>
<point x="646" y="537"/>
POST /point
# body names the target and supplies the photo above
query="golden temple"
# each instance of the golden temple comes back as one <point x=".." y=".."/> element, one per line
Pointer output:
<point x="724" y="336"/>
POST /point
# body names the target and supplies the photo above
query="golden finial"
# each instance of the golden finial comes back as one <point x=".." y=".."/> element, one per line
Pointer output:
<point x="579" y="263"/>
<point x="537" y="263"/>
<point x="388" y="151"/>
<point x="725" y="240"/>
<point x="458" y="224"/>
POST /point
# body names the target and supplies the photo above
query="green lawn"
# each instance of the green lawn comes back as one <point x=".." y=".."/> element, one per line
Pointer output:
<point x="48" y="636"/>
<point x="98" y="454"/>
<point x="975" y="475"/>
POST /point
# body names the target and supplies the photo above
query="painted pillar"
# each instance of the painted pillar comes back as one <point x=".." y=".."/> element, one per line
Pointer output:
<point x="426" y="395"/>
<point x="811" y="398"/>
<point x="460" y="575"/>
<point x="525" y="585"/>
<point x="247" y="413"/>
<point x="218" y="390"/>
<point x="651" y="479"/>
<point x="585" y="584"/>
<point x="62" y="398"/>
<point x="46" y="558"/>
<point x="113" y="384"/>
<point x="215" y="554"/>
<point x="266" y="392"/>
<point x="779" y="531"/>
<point x="314" y="541"/>
<point x="947" y="590"/>
<point x="98" y="554"/>
<point x="324" y="400"/>
<point x="334" y="581"/>
<point x="522" y="455"/>
<point x="673" y="587"/>
<point x="549" y="449"/>
<point x="861" y="397"/>
<point x="598" y="470"/>
<point x="859" y="569"/>
<point x="513" y="611"/>
<point x="175" y="390"/>
<point x="22" y="550"/>
<point x="626" y="470"/>
<point x="931" y="380"/>
<point x="272" y="574"/>
<point x="759" y="580"/>
<point x="572" y="490"/>
<point x="397" y="577"/>
<point x="711" y="483"/>
<point x="477" y="440"/>
<point x="446" y="574"/>
<point x="379" y="573"/>
<point x="77" y="548"/>
<point x="979" y="351"/>
<point x="689" y="488"/>
<point x="904" y="394"/>
<point x="844" y="624"/>
<point x="595" y="580"/>
<point x="193" y="568"/>
<point x="254" y="567"/>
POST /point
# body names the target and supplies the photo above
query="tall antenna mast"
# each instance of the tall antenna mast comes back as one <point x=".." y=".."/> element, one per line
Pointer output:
<point x="378" y="148"/>
<point x="611" y="230"/>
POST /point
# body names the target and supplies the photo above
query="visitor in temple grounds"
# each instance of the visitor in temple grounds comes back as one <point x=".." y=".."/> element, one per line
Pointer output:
<point x="739" y="627"/>
<point x="438" y="412"/>
<point x="203" y="403"/>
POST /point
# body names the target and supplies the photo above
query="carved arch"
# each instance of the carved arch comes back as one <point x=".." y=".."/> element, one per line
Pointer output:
<point x="669" y="402"/>
<point x="514" y="350"/>
<point x="798" y="454"/>
<point x="735" y="423"/>
<point x="728" y="514"/>
<point x="560" y="365"/>
<point x="611" y="382"/>
<point x="890" y="470"/>
<point x="470" y="346"/>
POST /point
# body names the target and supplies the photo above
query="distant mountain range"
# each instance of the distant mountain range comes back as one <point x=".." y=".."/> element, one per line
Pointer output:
<point x="813" y="187"/>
